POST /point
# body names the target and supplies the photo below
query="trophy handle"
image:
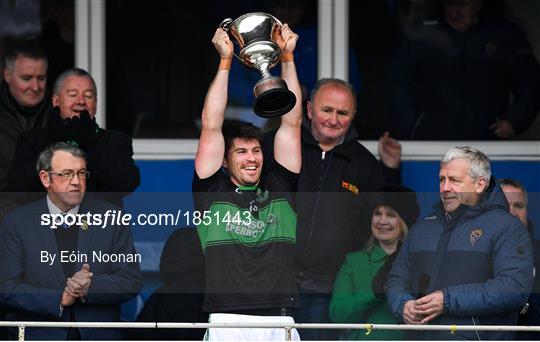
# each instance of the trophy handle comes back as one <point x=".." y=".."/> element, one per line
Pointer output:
<point x="225" y="25"/>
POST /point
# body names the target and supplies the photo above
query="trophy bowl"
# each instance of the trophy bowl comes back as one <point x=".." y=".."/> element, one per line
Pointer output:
<point x="253" y="34"/>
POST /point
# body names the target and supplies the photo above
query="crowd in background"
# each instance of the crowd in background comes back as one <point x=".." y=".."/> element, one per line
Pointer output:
<point x="378" y="30"/>
<point x="459" y="72"/>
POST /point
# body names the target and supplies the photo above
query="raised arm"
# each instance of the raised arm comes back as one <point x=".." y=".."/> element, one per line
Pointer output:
<point x="287" y="145"/>
<point x="211" y="148"/>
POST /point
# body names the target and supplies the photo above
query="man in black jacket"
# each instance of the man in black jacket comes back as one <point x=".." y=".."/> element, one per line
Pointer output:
<point x="464" y="76"/>
<point x="110" y="153"/>
<point x="23" y="104"/>
<point x="336" y="177"/>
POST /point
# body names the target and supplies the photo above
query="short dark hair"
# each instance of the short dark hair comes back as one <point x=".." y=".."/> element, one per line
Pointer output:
<point x="45" y="158"/>
<point x="25" y="48"/>
<point x="233" y="129"/>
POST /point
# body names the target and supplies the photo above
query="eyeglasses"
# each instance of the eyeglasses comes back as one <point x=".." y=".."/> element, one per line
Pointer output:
<point x="69" y="174"/>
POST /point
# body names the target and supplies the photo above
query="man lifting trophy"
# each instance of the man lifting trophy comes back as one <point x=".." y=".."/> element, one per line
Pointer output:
<point x="256" y="35"/>
<point x="243" y="278"/>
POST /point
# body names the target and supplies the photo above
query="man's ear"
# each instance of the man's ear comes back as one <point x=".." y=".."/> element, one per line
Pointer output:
<point x="225" y="162"/>
<point x="7" y="75"/>
<point x="45" y="179"/>
<point x="55" y="100"/>
<point x="481" y="185"/>
<point x="309" y="109"/>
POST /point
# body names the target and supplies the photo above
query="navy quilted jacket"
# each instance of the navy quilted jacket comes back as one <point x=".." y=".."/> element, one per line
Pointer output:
<point x="481" y="258"/>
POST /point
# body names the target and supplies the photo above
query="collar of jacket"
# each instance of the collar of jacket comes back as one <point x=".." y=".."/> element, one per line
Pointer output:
<point x="492" y="198"/>
<point x="341" y="149"/>
<point x="377" y="254"/>
<point x="14" y="107"/>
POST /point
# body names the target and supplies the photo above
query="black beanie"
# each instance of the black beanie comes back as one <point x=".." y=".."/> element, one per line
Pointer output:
<point x="401" y="199"/>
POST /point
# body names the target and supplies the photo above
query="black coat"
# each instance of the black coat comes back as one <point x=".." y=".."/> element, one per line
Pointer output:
<point x="449" y="85"/>
<point x="14" y="120"/>
<point x="110" y="162"/>
<point x="332" y="205"/>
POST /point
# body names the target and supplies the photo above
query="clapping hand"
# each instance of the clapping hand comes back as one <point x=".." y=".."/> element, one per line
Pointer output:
<point x="78" y="284"/>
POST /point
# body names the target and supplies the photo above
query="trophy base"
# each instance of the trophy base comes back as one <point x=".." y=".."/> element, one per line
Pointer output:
<point x="272" y="98"/>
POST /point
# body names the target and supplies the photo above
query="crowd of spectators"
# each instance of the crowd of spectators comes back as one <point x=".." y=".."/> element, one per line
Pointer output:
<point x="342" y="240"/>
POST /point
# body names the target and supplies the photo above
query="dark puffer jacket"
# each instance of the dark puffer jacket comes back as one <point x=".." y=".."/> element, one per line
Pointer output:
<point x="481" y="258"/>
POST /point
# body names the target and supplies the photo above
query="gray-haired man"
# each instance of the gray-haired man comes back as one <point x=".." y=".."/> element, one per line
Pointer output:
<point x="467" y="263"/>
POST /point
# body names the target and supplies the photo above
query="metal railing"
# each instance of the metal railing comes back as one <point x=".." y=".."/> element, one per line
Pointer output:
<point x="368" y="327"/>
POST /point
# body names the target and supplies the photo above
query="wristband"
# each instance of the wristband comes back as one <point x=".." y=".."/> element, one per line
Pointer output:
<point x="287" y="56"/>
<point x="225" y="64"/>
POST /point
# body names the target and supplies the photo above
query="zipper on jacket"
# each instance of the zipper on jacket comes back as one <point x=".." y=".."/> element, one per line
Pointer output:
<point x="317" y="200"/>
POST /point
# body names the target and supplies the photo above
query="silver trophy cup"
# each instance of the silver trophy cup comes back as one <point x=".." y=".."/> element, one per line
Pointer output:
<point x="253" y="33"/>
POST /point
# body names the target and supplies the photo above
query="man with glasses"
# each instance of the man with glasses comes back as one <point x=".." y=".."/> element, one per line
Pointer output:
<point x="80" y="287"/>
<point x="73" y="121"/>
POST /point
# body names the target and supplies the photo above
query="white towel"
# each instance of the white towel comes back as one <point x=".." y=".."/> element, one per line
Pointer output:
<point x="249" y="334"/>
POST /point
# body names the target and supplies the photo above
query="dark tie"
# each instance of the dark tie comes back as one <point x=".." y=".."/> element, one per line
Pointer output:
<point x="64" y="224"/>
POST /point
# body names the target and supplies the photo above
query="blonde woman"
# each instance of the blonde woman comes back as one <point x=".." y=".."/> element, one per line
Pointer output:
<point x="358" y="295"/>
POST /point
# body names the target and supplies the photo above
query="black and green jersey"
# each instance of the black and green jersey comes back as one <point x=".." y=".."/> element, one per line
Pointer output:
<point x="248" y="236"/>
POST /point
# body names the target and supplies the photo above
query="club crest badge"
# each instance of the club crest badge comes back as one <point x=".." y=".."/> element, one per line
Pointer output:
<point x="475" y="235"/>
<point x="262" y="196"/>
<point x="84" y="225"/>
<point x="350" y="187"/>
